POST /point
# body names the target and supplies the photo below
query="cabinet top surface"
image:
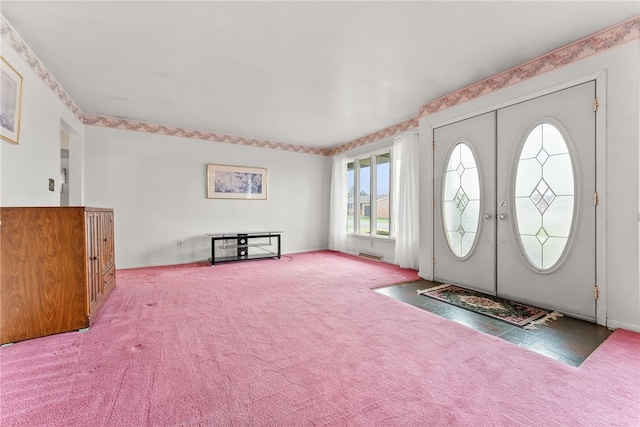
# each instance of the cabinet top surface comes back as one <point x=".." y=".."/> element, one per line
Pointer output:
<point x="88" y="208"/>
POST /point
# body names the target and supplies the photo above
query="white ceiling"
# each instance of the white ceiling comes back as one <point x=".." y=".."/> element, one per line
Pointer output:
<point x="307" y="73"/>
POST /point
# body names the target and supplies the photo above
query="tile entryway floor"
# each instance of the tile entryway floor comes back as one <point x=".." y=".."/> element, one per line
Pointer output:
<point x="566" y="339"/>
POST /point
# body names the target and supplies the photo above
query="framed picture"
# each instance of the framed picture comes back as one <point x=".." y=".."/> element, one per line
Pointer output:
<point x="10" y="102"/>
<point x="236" y="182"/>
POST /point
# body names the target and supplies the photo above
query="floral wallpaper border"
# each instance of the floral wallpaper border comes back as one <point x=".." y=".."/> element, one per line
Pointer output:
<point x="384" y="133"/>
<point x="601" y="41"/>
<point x="11" y="36"/>
<point x="132" y="125"/>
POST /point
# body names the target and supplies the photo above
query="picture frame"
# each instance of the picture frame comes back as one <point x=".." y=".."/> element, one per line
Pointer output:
<point x="236" y="182"/>
<point x="10" y="102"/>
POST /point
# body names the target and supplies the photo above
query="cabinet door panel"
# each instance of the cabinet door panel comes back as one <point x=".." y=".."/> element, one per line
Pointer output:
<point x="93" y="261"/>
<point x="105" y="238"/>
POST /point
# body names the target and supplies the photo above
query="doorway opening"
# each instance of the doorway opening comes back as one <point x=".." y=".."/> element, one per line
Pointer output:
<point x="64" y="168"/>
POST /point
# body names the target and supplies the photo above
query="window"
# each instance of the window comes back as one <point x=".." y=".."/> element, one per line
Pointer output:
<point x="364" y="206"/>
<point x="369" y="197"/>
<point x="383" y="179"/>
<point x="461" y="200"/>
<point x="544" y="196"/>
<point x="351" y="185"/>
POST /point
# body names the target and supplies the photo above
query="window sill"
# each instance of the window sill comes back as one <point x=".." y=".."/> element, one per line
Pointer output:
<point x="368" y="237"/>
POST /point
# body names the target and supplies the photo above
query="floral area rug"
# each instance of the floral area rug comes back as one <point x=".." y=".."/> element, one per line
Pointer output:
<point x="489" y="305"/>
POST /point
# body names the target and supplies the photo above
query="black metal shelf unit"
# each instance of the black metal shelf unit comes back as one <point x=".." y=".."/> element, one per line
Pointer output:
<point x="237" y="246"/>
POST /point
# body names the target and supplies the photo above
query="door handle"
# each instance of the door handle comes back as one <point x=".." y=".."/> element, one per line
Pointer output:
<point x="503" y="216"/>
<point x="488" y="216"/>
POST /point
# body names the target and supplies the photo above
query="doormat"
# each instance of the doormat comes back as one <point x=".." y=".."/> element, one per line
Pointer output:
<point x="511" y="312"/>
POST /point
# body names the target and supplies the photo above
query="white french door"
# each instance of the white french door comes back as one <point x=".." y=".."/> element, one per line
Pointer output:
<point x="464" y="194"/>
<point x="535" y="212"/>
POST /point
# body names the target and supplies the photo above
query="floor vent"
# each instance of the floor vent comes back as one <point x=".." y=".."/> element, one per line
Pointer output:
<point x="373" y="257"/>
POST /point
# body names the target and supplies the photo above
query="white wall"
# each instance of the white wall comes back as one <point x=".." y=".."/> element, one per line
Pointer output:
<point x="618" y="141"/>
<point x="381" y="246"/>
<point x="27" y="167"/>
<point x="157" y="186"/>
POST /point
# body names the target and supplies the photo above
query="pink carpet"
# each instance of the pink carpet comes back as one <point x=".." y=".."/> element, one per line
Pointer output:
<point x="299" y="342"/>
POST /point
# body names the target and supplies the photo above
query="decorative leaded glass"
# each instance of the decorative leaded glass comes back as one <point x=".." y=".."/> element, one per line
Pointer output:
<point x="544" y="196"/>
<point x="461" y="200"/>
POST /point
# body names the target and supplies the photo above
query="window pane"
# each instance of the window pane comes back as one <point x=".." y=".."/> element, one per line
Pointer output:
<point x="365" y="196"/>
<point x="545" y="195"/>
<point x="351" y="186"/>
<point x="461" y="200"/>
<point x="382" y="194"/>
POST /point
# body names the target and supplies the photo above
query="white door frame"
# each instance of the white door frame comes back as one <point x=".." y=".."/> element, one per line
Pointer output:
<point x="600" y="78"/>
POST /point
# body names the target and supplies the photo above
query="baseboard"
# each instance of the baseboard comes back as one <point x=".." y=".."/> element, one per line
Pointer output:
<point x="174" y="262"/>
<point x="615" y="324"/>
<point x="157" y="264"/>
<point x="303" y="251"/>
<point x="425" y="276"/>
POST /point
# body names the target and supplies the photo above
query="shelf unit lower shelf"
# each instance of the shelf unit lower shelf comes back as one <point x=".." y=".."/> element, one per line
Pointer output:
<point x="266" y="241"/>
<point x="246" y="258"/>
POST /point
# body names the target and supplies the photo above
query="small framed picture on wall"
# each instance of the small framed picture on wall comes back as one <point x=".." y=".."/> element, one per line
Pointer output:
<point x="10" y="102"/>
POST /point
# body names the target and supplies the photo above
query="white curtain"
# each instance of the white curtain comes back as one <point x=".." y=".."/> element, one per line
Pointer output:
<point x="405" y="203"/>
<point x="338" y="206"/>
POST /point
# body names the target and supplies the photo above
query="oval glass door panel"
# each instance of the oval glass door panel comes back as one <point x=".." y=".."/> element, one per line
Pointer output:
<point x="544" y="196"/>
<point x="461" y="200"/>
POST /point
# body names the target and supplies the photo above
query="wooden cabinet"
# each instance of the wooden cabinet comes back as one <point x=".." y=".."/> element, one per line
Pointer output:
<point x="57" y="267"/>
